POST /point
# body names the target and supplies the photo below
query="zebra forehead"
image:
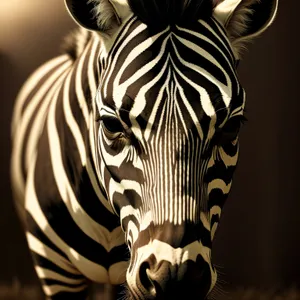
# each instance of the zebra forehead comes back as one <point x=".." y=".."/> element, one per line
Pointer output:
<point x="174" y="98"/>
<point x="180" y="73"/>
<point x="181" y="62"/>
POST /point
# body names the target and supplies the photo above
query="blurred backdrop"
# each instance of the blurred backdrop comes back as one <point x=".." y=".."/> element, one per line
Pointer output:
<point x="258" y="242"/>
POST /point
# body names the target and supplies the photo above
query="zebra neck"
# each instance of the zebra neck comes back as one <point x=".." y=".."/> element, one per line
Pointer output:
<point x="78" y="94"/>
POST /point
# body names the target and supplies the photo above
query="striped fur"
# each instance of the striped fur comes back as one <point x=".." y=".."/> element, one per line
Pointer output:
<point x="123" y="158"/>
<point x="51" y="120"/>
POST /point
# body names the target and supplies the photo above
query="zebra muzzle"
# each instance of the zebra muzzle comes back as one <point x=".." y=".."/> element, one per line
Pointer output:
<point x="164" y="280"/>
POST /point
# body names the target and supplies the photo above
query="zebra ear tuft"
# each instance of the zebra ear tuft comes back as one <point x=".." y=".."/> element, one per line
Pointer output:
<point x="95" y="15"/>
<point x="245" y="19"/>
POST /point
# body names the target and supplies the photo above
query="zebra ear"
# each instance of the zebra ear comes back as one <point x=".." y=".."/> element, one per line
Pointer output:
<point x="245" y="19"/>
<point x="98" y="15"/>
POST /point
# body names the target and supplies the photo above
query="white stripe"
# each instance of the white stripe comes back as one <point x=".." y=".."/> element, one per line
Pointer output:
<point x="214" y="230"/>
<point x="227" y="159"/>
<point x="218" y="184"/>
<point x="165" y="252"/>
<point x="119" y="90"/>
<point x="226" y="90"/>
<point x="30" y="84"/>
<point x="91" y="70"/>
<point x="157" y="102"/>
<point x="110" y="67"/>
<point x="110" y="60"/>
<point x="39" y="118"/>
<point x="94" y="182"/>
<point x="215" y="210"/>
<point x="54" y="289"/>
<point x="72" y="123"/>
<point x="81" y="98"/>
<point x="115" y="187"/>
<point x="128" y="210"/>
<point x="41" y="249"/>
<point x="49" y="274"/>
<point x="23" y="124"/>
<point x="92" y="136"/>
<point x="147" y="219"/>
<point x="91" y="228"/>
<point x="133" y="230"/>
<point x="221" y="31"/>
<point x="203" y="37"/>
<point x="204" y="98"/>
<point x="77" y="262"/>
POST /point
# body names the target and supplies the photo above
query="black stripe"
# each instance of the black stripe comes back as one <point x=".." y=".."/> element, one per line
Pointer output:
<point x="175" y="235"/>
<point x="39" y="84"/>
<point x="57" y="213"/>
<point x="47" y="264"/>
<point x="50" y="282"/>
<point x="216" y="198"/>
<point x="76" y="173"/>
<point x="93" y="206"/>
<point x="35" y="230"/>
<point x="221" y="171"/>
<point x="207" y="33"/>
<point x="191" y="56"/>
<point x="38" y="106"/>
<point x="214" y="219"/>
<point x="119" y="254"/>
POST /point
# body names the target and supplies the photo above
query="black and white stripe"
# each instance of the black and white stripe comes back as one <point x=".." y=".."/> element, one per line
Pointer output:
<point x="140" y="137"/>
<point x="184" y="172"/>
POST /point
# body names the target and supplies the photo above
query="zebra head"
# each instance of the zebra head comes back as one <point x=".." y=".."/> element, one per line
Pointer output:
<point x="169" y="108"/>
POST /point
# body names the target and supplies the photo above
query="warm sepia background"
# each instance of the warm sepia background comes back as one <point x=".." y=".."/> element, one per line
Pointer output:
<point x="258" y="243"/>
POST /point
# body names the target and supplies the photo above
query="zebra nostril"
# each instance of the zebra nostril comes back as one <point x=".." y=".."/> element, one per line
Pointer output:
<point x="145" y="279"/>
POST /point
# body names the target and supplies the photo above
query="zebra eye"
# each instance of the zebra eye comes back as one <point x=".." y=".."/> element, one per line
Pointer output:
<point x="112" y="127"/>
<point x="230" y="131"/>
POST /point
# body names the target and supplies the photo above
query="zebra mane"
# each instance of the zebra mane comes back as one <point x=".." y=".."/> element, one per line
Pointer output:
<point x="75" y="42"/>
<point x="158" y="13"/>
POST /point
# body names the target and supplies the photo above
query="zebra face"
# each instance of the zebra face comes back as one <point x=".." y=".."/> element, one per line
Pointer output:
<point x="170" y="108"/>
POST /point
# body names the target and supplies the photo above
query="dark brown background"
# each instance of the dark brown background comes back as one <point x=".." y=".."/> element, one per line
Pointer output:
<point x="258" y="242"/>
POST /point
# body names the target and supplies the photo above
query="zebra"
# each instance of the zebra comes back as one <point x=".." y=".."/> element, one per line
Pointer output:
<point x="125" y="145"/>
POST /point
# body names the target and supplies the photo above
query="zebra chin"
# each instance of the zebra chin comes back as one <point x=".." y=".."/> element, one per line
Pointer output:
<point x="159" y="271"/>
